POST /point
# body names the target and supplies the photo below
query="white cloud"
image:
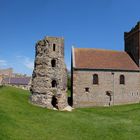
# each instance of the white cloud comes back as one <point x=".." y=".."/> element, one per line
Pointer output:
<point x="26" y="61"/>
<point x="3" y="63"/>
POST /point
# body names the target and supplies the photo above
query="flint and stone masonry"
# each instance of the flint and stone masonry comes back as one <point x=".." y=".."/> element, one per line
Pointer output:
<point x="49" y="78"/>
<point x="127" y="93"/>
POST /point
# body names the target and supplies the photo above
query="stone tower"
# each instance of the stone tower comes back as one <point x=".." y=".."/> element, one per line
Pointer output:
<point x="49" y="78"/>
<point x="132" y="43"/>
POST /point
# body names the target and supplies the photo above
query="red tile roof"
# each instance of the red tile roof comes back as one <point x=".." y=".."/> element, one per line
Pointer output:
<point x="85" y="58"/>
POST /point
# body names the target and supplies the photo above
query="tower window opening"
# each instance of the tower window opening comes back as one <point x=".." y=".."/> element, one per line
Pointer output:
<point x="53" y="62"/>
<point x="54" y="84"/>
<point x="54" y="47"/>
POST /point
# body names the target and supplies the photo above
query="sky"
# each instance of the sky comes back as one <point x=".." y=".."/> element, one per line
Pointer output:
<point x="83" y="23"/>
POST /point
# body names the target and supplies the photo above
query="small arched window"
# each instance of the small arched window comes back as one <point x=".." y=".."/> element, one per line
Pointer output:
<point x="122" y="79"/>
<point x="53" y="63"/>
<point x="95" y="79"/>
<point x="54" y="84"/>
<point x="54" y="47"/>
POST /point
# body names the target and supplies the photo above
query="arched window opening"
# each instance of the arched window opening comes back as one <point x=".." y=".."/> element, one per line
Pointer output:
<point x="95" y="79"/>
<point x="54" y="84"/>
<point x="54" y="102"/>
<point x="122" y="79"/>
<point x="54" y="46"/>
<point x="53" y="62"/>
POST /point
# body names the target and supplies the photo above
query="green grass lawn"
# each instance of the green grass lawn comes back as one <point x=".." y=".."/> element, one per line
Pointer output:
<point x="20" y="120"/>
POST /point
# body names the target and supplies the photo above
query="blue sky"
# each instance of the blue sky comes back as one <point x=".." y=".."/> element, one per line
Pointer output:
<point x="82" y="23"/>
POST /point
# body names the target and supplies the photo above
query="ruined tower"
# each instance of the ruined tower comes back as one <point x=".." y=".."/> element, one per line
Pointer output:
<point x="49" y="79"/>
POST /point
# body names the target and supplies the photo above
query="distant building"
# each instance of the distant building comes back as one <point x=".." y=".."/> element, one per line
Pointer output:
<point x="6" y="72"/>
<point x="0" y="79"/>
<point x="21" y="82"/>
<point x="7" y="77"/>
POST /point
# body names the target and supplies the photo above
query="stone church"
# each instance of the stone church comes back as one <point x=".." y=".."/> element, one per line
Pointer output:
<point x="107" y="77"/>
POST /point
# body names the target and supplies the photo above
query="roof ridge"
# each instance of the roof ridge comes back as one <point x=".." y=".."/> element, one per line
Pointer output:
<point x="100" y="49"/>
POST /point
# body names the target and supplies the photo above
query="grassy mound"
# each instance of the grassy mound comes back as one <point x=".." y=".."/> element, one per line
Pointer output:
<point x="19" y="120"/>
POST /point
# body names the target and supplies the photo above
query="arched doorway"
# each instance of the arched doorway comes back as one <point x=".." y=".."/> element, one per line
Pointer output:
<point x="54" y="102"/>
<point x="109" y="94"/>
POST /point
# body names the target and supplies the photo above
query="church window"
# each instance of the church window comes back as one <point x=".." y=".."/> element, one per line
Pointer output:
<point x="122" y="79"/>
<point x="54" y="46"/>
<point x="95" y="79"/>
<point x="86" y="89"/>
<point x="53" y="62"/>
<point x="54" y="83"/>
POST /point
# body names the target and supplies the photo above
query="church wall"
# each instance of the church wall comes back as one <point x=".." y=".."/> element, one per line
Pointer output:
<point x="108" y="81"/>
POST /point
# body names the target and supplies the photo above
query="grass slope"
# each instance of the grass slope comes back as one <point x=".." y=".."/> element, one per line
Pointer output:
<point x="19" y="120"/>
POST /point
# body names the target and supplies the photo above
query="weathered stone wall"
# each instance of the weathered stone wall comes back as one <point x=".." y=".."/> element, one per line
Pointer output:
<point x="121" y="94"/>
<point x="49" y="77"/>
